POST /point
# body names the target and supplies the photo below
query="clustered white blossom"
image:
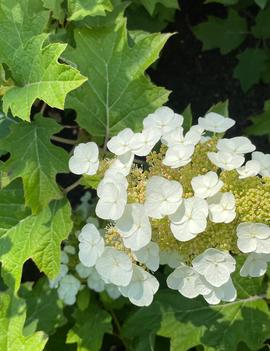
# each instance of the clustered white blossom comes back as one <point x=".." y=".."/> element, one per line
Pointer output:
<point x="130" y="272"/>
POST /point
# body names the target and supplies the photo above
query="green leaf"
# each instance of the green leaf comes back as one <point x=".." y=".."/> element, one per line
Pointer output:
<point x="251" y="65"/>
<point x="38" y="75"/>
<point x="83" y="299"/>
<point x="55" y="6"/>
<point x="79" y="9"/>
<point x="221" y="107"/>
<point x="223" y="2"/>
<point x="12" y="317"/>
<point x="189" y="323"/>
<point x="12" y="208"/>
<point x="44" y="309"/>
<point x="187" y="114"/>
<point x="5" y="123"/>
<point x="20" y="21"/>
<point x="225" y="34"/>
<point x="36" y="160"/>
<point x="261" y="3"/>
<point x="261" y="29"/>
<point x="261" y="122"/>
<point x="151" y="5"/>
<point x="117" y="94"/>
<point x="90" y="327"/>
<point x="35" y="236"/>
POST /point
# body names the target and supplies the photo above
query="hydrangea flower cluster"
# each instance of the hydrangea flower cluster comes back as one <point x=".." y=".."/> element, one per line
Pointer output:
<point x="193" y="201"/>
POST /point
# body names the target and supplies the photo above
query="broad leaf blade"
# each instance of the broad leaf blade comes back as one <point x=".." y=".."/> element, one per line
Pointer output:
<point x="89" y="329"/>
<point x="36" y="160"/>
<point x="12" y="317"/>
<point x="20" y="21"/>
<point x="39" y="75"/>
<point x="251" y="65"/>
<point x="79" y="9"/>
<point x="117" y="94"/>
<point x="225" y="34"/>
<point x="35" y="236"/>
<point x="189" y="323"/>
<point x="44" y="309"/>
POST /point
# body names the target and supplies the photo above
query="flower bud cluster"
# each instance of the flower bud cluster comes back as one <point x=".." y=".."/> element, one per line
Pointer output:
<point x="192" y="201"/>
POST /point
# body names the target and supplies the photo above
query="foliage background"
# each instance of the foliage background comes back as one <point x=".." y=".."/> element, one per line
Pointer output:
<point x="59" y="61"/>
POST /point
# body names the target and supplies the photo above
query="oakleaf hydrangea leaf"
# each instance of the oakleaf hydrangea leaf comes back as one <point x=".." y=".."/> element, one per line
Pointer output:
<point x="37" y="237"/>
<point x="261" y="28"/>
<point x="117" y="94"/>
<point x="12" y="208"/>
<point x="12" y="317"/>
<point x="79" y="9"/>
<point x="20" y="21"/>
<point x="44" y="309"/>
<point x="224" y="34"/>
<point x="189" y="323"/>
<point x="36" y="160"/>
<point x="151" y="5"/>
<point x="261" y="122"/>
<point x="56" y="7"/>
<point x="38" y="75"/>
<point x="261" y="3"/>
<point x="252" y="63"/>
<point x="89" y="329"/>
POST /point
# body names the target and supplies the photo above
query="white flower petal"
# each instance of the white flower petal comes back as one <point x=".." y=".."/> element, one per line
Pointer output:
<point x="114" y="267"/>
<point x="214" y="122"/>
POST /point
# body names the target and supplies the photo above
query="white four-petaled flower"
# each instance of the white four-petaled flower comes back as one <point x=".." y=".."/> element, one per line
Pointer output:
<point x="253" y="237"/>
<point x="149" y="255"/>
<point x="85" y="159"/>
<point x="250" y="169"/>
<point x="91" y="245"/>
<point x="163" y="120"/>
<point x="112" y="195"/>
<point x="238" y="145"/>
<point x="114" y="267"/>
<point x="214" y="122"/>
<point x="215" y="265"/>
<point x="141" y="288"/>
<point x="255" y="265"/>
<point x="264" y="161"/>
<point x="143" y="143"/>
<point x="190" y="219"/>
<point x="187" y="281"/>
<point x="163" y="197"/>
<point x="120" y="144"/>
<point x="178" y="155"/>
<point x="222" y="208"/>
<point x="206" y="185"/>
<point x="226" y="160"/>
<point x="68" y="289"/>
<point x="134" y="227"/>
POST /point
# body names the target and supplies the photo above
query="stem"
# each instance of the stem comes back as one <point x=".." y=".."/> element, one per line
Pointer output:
<point x="72" y="186"/>
<point x="118" y="327"/>
<point x="64" y="140"/>
<point x="43" y="107"/>
<point x="70" y="127"/>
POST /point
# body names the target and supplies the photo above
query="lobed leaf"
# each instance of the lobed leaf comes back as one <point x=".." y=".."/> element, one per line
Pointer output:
<point x="33" y="236"/>
<point x="36" y="160"/>
<point x="38" y="75"/>
<point x="252" y="64"/>
<point x="224" y="34"/>
<point x="79" y="9"/>
<point x="189" y="323"/>
<point x="117" y="94"/>
<point x="89" y="329"/>
<point x="12" y="318"/>
<point x="44" y="309"/>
